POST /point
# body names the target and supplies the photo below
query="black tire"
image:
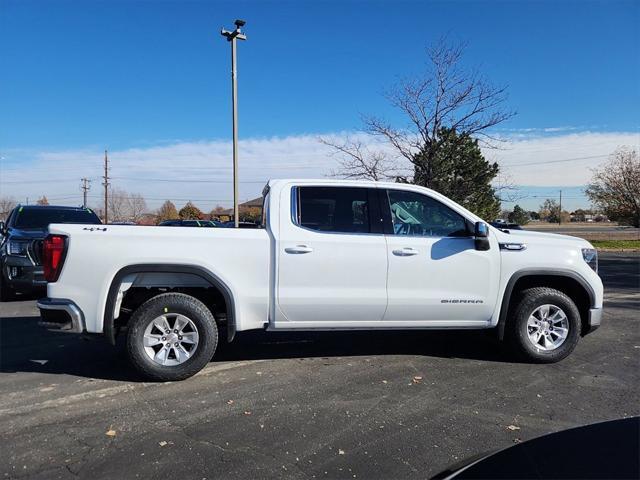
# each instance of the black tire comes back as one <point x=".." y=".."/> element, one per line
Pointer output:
<point x="171" y="303"/>
<point x="6" y="292"/>
<point x="517" y="331"/>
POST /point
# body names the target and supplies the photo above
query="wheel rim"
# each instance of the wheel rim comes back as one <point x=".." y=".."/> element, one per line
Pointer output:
<point x="170" y="339"/>
<point x="547" y="327"/>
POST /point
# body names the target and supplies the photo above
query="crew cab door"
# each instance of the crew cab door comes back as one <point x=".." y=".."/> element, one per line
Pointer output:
<point x="332" y="257"/>
<point x="435" y="273"/>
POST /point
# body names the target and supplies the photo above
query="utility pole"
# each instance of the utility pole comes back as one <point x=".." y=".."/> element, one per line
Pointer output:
<point x="232" y="37"/>
<point x="560" y="212"/>
<point x="85" y="188"/>
<point x="105" y="183"/>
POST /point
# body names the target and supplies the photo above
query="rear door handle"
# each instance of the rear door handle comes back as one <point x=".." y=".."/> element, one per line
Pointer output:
<point x="405" y="252"/>
<point x="298" y="249"/>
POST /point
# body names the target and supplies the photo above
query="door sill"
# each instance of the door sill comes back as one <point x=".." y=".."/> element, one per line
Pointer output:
<point x="379" y="325"/>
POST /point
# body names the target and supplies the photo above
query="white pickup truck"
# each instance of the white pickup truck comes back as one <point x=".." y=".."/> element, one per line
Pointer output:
<point x="331" y="255"/>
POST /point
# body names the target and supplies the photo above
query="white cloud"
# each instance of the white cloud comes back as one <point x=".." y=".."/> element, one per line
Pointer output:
<point x="558" y="160"/>
<point x="57" y="173"/>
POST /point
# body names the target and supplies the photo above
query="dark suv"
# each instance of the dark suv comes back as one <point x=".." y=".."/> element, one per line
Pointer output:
<point x="21" y="244"/>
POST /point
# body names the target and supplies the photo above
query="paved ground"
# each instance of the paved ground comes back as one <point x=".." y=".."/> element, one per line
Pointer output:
<point x="305" y="406"/>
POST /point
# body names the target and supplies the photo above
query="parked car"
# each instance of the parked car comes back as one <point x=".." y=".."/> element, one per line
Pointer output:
<point x="241" y="225"/>
<point x="21" y="244"/>
<point x="505" y="225"/>
<point x="334" y="255"/>
<point x="190" y="223"/>
<point x="562" y="455"/>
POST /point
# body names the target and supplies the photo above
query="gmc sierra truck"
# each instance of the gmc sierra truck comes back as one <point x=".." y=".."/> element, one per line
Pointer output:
<point x="331" y="255"/>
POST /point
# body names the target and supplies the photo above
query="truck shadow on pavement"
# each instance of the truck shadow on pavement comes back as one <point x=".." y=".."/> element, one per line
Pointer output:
<point x="25" y="347"/>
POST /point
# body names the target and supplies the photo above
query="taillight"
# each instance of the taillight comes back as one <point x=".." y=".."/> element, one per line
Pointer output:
<point x="53" y="250"/>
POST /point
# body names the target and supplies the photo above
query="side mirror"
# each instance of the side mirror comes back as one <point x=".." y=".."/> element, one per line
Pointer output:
<point x="481" y="234"/>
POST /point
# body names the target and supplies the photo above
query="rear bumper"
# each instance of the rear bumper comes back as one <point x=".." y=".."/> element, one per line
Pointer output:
<point x="594" y="320"/>
<point x="60" y="315"/>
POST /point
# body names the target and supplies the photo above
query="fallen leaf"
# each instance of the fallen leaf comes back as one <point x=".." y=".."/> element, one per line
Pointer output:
<point x="417" y="379"/>
<point x="162" y="443"/>
<point x="247" y="413"/>
<point x="229" y="402"/>
<point x="384" y="381"/>
<point x="340" y="451"/>
<point x="111" y="433"/>
<point x="513" y="427"/>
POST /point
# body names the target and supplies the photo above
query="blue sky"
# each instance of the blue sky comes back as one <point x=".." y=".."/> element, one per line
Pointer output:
<point x="80" y="76"/>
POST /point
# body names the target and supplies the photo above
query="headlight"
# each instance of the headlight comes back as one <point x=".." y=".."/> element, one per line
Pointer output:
<point x="17" y="247"/>
<point x="590" y="256"/>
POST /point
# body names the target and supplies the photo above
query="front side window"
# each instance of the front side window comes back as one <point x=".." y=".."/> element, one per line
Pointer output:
<point x="420" y="215"/>
<point x="333" y="209"/>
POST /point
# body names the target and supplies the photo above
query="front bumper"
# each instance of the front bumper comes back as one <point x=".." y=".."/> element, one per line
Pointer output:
<point x="22" y="274"/>
<point x="594" y="320"/>
<point x="60" y="315"/>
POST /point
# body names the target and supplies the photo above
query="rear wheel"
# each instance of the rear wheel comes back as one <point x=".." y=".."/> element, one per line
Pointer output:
<point x="171" y="337"/>
<point x="545" y="325"/>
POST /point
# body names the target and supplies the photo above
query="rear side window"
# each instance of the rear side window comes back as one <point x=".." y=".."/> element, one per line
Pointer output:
<point x="333" y="209"/>
<point x="39" y="218"/>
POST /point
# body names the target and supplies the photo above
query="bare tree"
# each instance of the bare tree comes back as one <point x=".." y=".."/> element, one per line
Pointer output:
<point x="137" y="207"/>
<point x="6" y="205"/>
<point x="615" y="188"/>
<point x="126" y="207"/>
<point x="42" y="200"/>
<point x="358" y="161"/>
<point x="447" y="98"/>
<point x="117" y="203"/>
<point x="167" y="211"/>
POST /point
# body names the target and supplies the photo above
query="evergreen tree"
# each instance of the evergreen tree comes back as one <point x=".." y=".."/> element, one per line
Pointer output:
<point x="455" y="167"/>
<point x="190" y="212"/>
<point x="519" y="216"/>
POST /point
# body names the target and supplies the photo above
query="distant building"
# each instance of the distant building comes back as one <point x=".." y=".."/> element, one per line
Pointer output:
<point x="248" y="211"/>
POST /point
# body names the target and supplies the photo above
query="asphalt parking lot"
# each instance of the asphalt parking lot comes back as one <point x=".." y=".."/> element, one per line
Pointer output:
<point x="347" y="405"/>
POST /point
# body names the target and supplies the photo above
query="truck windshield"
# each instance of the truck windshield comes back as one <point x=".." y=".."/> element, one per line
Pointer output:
<point x="40" y="218"/>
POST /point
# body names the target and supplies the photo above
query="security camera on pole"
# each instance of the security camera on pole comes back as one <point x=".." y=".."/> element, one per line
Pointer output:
<point x="232" y="37"/>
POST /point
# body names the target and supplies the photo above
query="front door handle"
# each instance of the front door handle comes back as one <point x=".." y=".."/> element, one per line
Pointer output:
<point x="298" y="249"/>
<point x="405" y="252"/>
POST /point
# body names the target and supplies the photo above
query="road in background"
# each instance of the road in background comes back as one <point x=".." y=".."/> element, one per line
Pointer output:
<point x="589" y="231"/>
<point x="322" y="405"/>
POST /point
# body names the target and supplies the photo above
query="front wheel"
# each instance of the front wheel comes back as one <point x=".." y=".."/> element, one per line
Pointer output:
<point x="171" y="337"/>
<point x="545" y="326"/>
<point x="6" y="292"/>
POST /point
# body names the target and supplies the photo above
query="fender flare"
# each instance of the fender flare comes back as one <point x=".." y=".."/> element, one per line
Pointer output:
<point x="534" y="272"/>
<point x="108" y="320"/>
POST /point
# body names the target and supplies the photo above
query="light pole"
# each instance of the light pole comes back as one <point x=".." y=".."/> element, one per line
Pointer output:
<point x="232" y="37"/>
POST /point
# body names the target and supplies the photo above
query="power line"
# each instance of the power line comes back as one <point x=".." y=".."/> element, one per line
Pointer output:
<point x="554" y="161"/>
<point x="176" y="180"/>
<point x="133" y="179"/>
